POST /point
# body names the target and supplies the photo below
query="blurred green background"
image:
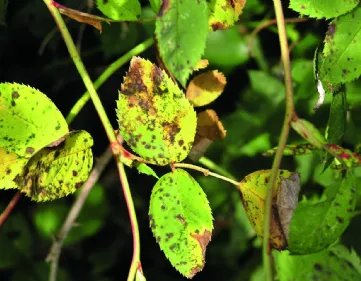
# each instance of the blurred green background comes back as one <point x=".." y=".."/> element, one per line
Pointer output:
<point x="251" y="108"/>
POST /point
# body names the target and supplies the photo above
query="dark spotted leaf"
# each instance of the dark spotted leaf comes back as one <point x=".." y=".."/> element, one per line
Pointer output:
<point x="315" y="226"/>
<point x="29" y="120"/>
<point x="124" y="10"/>
<point x="11" y="165"/>
<point x="341" y="55"/>
<point x="181" y="30"/>
<point x="206" y="87"/>
<point x="320" y="9"/>
<point x="181" y="221"/>
<point x="224" y="13"/>
<point x="334" y="264"/>
<point x="58" y="171"/>
<point x="155" y="118"/>
<point x="293" y="149"/>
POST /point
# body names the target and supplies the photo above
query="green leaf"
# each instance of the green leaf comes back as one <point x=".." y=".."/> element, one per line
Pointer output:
<point x="319" y="9"/>
<point x="145" y="169"/>
<point x="330" y="265"/>
<point x="29" y="120"/>
<point x="206" y="87"/>
<point x="181" y="221"/>
<point x="123" y="10"/>
<point x="341" y="56"/>
<point x="155" y="118"/>
<point x="3" y="8"/>
<point x="181" y="30"/>
<point x="315" y="226"/>
<point x="309" y="132"/>
<point x="236" y="52"/>
<point x="155" y="4"/>
<point x="223" y="13"/>
<point x="336" y="125"/>
<point x="56" y="172"/>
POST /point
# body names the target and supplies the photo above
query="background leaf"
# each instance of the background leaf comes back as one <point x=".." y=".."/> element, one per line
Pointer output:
<point x="334" y="264"/>
<point x="124" y="10"/>
<point x="181" y="221"/>
<point x="316" y="225"/>
<point x="179" y="45"/>
<point x="155" y="118"/>
<point x="319" y="9"/>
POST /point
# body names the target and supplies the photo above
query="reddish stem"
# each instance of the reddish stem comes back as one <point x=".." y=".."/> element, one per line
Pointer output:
<point x="9" y="208"/>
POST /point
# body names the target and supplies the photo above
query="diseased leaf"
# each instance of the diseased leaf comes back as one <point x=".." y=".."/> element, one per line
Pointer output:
<point x="29" y="120"/>
<point x="125" y="10"/>
<point x="334" y="264"/>
<point x="92" y="20"/>
<point x="56" y="172"/>
<point x="319" y="9"/>
<point x="209" y="129"/>
<point x="253" y="189"/>
<point x="341" y="55"/>
<point x="11" y="165"/>
<point x="309" y="132"/>
<point x="223" y="13"/>
<point x="145" y="169"/>
<point x="205" y="88"/>
<point x="181" y="221"/>
<point x="315" y="226"/>
<point x="293" y="149"/>
<point x="345" y="156"/>
<point x="155" y="118"/>
<point x="181" y="31"/>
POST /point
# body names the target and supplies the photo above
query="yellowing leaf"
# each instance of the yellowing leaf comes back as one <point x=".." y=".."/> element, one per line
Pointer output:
<point x="155" y="118"/>
<point x="253" y="189"/>
<point x="224" y="13"/>
<point x="56" y="172"/>
<point x="206" y="87"/>
<point x="181" y="221"/>
<point x="11" y="165"/>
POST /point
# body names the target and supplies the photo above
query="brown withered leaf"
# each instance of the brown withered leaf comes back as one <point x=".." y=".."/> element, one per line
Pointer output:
<point x="92" y="20"/>
<point x="206" y="87"/>
<point x="209" y="129"/>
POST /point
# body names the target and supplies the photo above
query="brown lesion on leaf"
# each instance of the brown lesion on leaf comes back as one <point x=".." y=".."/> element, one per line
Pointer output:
<point x="164" y="8"/>
<point x="181" y="219"/>
<point x="15" y="95"/>
<point x="171" y="129"/>
<point x="157" y="78"/>
<point x="203" y="240"/>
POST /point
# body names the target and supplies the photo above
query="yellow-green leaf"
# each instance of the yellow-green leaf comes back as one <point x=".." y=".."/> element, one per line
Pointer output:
<point x="155" y="118"/>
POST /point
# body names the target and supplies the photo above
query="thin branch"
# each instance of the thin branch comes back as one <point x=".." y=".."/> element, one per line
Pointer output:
<point x="290" y="113"/>
<point x="266" y="24"/>
<point x="205" y="172"/>
<point x="73" y="214"/>
<point x="215" y="167"/>
<point x="4" y="215"/>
